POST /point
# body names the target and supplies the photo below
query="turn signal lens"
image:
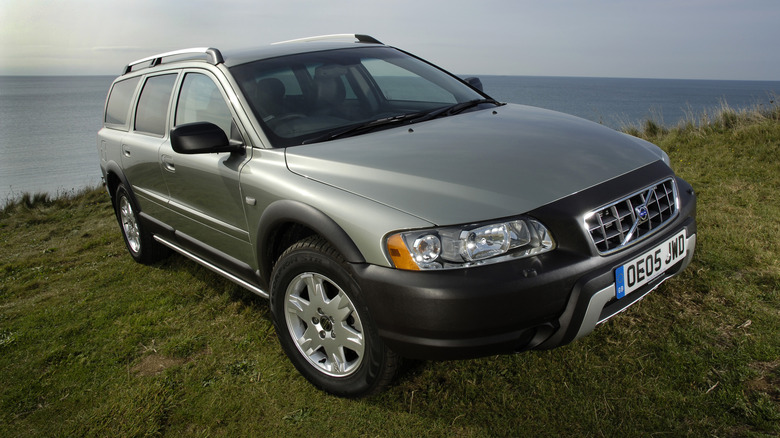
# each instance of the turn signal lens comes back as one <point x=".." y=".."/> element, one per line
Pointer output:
<point x="399" y="253"/>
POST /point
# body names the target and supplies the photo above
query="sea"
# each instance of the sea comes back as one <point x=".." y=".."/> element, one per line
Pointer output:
<point x="49" y="124"/>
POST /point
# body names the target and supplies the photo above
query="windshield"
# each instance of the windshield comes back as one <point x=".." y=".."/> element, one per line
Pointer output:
<point x="304" y="97"/>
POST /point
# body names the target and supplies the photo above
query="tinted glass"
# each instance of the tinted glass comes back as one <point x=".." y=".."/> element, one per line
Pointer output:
<point x="118" y="106"/>
<point x="150" y="116"/>
<point x="397" y="83"/>
<point x="304" y="97"/>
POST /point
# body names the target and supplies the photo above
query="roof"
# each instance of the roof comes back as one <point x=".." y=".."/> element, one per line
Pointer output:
<point x="231" y="58"/>
<point x="237" y="57"/>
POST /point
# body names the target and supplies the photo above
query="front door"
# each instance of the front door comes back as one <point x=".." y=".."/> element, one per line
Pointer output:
<point x="205" y="195"/>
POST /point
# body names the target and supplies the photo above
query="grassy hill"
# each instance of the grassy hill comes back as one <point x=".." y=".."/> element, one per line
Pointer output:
<point x="93" y="344"/>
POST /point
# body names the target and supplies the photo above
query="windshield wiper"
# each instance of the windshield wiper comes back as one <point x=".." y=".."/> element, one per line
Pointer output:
<point x="393" y="120"/>
<point x="361" y="127"/>
<point x="455" y="109"/>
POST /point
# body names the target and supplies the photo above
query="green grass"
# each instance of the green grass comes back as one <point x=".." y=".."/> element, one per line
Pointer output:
<point x="93" y="344"/>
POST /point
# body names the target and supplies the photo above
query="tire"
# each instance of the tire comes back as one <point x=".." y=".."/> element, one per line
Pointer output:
<point x="323" y="325"/>
<point x="139" y="242"/>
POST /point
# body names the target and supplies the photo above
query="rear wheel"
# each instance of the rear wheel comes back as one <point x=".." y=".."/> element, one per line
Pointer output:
<point x="323" y="325"/>
<point x="140" y="243"/>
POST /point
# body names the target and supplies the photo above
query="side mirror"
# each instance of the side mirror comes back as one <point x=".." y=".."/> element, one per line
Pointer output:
<point x="202" y="138"/>
<point x="474" y="82"/>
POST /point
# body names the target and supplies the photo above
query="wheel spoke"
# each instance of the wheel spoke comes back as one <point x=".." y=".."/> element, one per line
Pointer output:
<point x="340" y="308"/>
<point x="309" y="341"/>
<point x="298" y="305"/>
<point x="352" y="339"/>
<point x="338" y="360"/>
<point x="316" y="290"/>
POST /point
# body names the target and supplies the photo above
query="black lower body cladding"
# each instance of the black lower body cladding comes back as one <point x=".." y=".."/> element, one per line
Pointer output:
<point x="538" y="302"/>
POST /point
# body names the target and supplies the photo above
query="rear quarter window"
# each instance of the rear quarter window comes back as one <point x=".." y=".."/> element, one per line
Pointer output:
<point x="119" y="100"/>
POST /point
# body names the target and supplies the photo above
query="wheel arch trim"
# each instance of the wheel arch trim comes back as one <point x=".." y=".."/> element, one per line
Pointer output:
<point x="112" y="168"/>
<point x="286" y="212"/>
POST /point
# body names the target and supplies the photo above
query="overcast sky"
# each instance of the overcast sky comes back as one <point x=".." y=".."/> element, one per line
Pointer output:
<point x="690" y="39"/>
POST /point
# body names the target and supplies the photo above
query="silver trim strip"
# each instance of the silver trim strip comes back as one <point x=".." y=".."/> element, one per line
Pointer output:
<point x="155" y="197"/>
<point x="602" y="297"/>
<point x="214" y="57"/>
<point x="595" y="305"/>
<point x="209" y="221"/>
<point x="361" y="38"/>
<point x="252" y="288"/>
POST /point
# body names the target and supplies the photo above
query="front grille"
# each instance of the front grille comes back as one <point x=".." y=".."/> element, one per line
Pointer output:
<point x="633" y="218"/>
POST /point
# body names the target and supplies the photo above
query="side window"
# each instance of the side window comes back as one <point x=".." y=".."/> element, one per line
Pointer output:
<point x="150" y="115"/>
<point x="118" y="107"/>
<point x="201" y="101"/>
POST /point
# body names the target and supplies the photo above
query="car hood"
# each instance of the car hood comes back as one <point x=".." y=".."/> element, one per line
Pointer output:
<point x="475" y="166"/>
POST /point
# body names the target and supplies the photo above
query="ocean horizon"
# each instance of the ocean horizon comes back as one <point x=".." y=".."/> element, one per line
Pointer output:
<point x="49" y="124"/>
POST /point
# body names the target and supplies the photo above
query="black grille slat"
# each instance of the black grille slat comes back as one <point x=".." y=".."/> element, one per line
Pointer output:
<point x="611" y="234"/>
<point x="610" y="222"/>
<point x="610" y="225"/>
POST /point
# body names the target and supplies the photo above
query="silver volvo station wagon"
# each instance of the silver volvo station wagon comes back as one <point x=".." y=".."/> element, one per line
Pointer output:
<point x="386" y="207"/>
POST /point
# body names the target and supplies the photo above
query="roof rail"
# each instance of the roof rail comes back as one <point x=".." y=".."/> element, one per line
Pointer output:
<point x="214" y="56"/>
<point x="360" y="37"/>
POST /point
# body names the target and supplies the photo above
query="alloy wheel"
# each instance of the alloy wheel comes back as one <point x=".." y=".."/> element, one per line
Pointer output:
<point x="324" y="325"/>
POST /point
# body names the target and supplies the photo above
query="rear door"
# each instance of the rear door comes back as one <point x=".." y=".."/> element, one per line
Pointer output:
<point x="140" y="148"/>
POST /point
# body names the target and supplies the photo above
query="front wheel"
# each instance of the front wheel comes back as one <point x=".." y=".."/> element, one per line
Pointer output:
<point x="322" y="324"/>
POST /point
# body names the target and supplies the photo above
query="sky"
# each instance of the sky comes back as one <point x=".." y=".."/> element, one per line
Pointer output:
<point x="679" y="39"/>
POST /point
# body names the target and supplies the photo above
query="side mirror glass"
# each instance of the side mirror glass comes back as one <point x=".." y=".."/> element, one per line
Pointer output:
<point x="201" y="138"/>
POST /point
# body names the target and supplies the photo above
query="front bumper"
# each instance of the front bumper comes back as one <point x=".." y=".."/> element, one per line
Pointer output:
<point x="538" y="302"/>
<point x="585" y="309"/>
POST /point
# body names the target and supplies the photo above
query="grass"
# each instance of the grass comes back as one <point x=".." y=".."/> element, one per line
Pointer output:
<point x="92" y="344"/>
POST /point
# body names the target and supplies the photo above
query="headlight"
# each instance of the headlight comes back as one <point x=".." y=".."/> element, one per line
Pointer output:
<point x="459" y="247"/>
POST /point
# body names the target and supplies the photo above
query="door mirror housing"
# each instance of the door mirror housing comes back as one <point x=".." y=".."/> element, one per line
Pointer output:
<point x="202" y="138"/>
<point x="474" y="82"/>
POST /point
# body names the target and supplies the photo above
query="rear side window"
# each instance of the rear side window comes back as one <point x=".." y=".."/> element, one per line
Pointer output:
<point x="152" y="111"/>
<point x="118" y="107"/>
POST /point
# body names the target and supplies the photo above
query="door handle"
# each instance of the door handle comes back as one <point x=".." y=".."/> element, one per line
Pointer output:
<point x="126" y="150"/>
<point x="167" y="162"/>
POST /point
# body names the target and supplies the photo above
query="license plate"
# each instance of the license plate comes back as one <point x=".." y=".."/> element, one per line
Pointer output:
<point x="650" y="265"/>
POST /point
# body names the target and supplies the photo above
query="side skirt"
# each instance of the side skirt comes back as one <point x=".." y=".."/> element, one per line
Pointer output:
<point x="205" y="263"/>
